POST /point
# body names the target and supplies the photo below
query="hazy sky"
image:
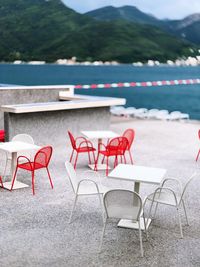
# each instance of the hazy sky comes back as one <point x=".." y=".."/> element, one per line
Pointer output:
<point x="173" y="9"/>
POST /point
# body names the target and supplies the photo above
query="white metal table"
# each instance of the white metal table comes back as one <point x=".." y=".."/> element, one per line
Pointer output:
<point x="137" y="174"/>
<point x="13" y="148"/>
<point x="99" y="135"/>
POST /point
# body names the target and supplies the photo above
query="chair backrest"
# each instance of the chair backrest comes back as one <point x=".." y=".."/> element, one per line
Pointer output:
<point x="72" y="175"/>
<point x="72" y="140"/>
<point x="43" y="156"/>
<point x="122" y="204"/>
<point x="23" y="138"/>
<point x="27" y="139"/>
<point x="117" y="145"/>
<point x="130" y="135"/>
<point x="187" y="184"/>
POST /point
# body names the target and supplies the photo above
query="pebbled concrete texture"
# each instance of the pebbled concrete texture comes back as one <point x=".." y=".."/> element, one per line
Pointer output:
<point x="51" y="126"/>
<point x="35" y="229"/>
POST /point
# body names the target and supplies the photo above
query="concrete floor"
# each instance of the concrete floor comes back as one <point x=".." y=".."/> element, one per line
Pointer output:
<point x="35" y="229"/>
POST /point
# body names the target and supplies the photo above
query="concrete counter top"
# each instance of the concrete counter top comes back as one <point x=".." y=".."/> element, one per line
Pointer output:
<point x="71" y="102"/>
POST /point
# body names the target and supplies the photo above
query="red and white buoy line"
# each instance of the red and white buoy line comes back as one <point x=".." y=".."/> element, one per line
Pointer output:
<point x="138" y="84"/>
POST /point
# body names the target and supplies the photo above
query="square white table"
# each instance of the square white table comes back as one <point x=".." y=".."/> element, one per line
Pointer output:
<point x="137" y="174"/>
<point x="13" y="148"/>
<point x="99" y="135"/>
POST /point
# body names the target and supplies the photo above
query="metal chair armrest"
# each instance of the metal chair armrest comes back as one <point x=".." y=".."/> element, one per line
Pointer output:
<point x="172" y="180"/>
<point x="24" y="157"/>
<point x="160" y="189"/>
<point x="87" y="180"/>
<point x="87" y="142"/>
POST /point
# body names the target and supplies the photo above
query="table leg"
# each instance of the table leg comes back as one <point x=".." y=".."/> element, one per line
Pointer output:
<point x="17" y="184"/>
<point x="133" y="224"/>
<point x="137" y="187"/>
<point x="100" y="166"/>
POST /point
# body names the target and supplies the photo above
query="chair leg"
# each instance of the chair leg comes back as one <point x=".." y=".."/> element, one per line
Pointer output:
<point x="103" y="232"/>
<point x="145" y="226"/>
<point x="155" y="211"/>
<point x="49" y="177"/>
<point x="130" y="156"/>
<point x="107" y="166"/>
<point x="140" y="236"/>
<point x="185" y="212"/>
<point x="96" y="163"/>
<point x="14" y="177"/>
<point x="33" y="182"/>
<point x="93" y="156"/>
<point x="75" y="200"/>
<point x="124" y="159"/>
<point x="1" y="182"/>
<point x="75" y="160"/>
<point x="103" y="160"/>
<point x="71" y="156"/>
<point x="197" y="155"/>
<point x="89" y="157"/>
<point x="180" y="225"/>
<point x="149" y="214"/>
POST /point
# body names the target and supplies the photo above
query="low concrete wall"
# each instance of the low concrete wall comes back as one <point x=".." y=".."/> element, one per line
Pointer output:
<point x="22" y="95"/>
<point x="51" y="127"/>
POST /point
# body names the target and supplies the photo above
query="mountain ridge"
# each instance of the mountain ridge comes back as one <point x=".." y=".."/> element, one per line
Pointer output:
<point x="48" y="30"/>
<point x="185" y="28"/>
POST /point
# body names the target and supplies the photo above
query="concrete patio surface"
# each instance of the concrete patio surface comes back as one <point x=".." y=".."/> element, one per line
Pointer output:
<point x="35" y="230"/>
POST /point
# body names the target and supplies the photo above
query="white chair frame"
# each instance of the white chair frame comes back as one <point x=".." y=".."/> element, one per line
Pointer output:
<point x="156" y="197"/>
<point x="140" y="214"/>
<point x="78" y="186"/>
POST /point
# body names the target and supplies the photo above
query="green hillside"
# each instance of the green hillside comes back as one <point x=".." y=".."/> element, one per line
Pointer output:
<point x="48" y="30"/>
<point x="185" y="29"/>
<point x="128" y="13"/>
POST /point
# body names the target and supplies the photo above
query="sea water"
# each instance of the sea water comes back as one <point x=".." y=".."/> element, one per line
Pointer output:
<point x="185" y="98"/>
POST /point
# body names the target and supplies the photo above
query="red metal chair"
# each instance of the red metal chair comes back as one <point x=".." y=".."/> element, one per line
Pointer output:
<point x="199" y="149"/>
<point x="116" y="147"/>
<point x="130" y="135"/>
<point x="41" y="160"/>
<point x="80" y="145"/>
<point x="2" y="136"/>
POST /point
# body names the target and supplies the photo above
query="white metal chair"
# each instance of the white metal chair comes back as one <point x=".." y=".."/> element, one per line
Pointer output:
<point x="23" y="138"/>
<point x="84" y="187"/>
<point x="168" y="196"/>
<point x="123" y="204"/>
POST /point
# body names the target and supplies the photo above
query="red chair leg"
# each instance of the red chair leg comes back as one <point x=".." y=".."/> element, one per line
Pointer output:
<point x="13" y="180"/>
<point x="124" y="158"/>
<point x="103" y="160"/>
<point x="130" y="157"/>
<point x="1" y="181"/>
<point x="75" y="161"/>
<point x="115" y="162"/>
<point x="106" y="166"/>
<point x="93" y="156"/>
<point x="49" y="178"/>
<point x="96" y="163"/>
<point x="89" y="157"/>
<point x="33" y="182"/>
<point x="71" y="156"/>
<point x="198" y="155"/>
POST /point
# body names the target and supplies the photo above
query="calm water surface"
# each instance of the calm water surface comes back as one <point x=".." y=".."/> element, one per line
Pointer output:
<point x="185" y="98"/>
